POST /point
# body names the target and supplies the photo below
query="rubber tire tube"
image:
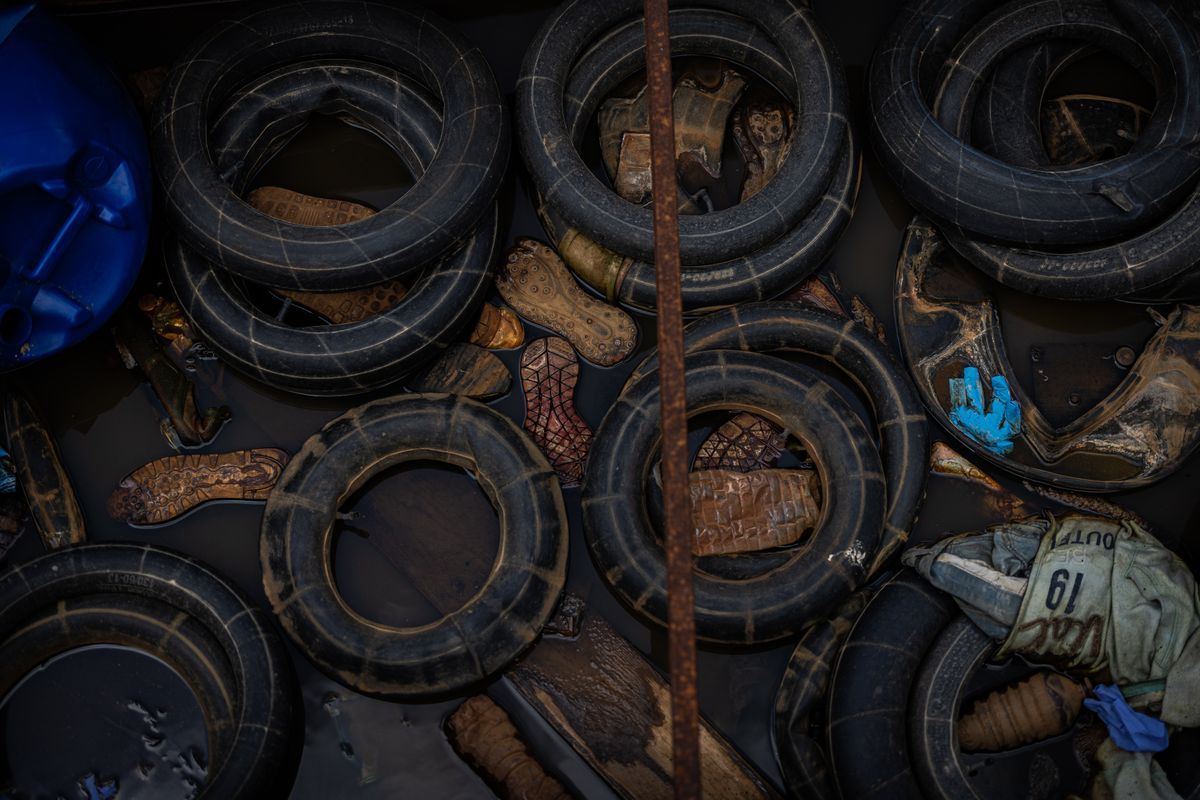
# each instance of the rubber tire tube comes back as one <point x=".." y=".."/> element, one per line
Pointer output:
<point x="752" y="277"/>
<point x="868" y="697"/>
<point x="331" y="359"/>
<point x="937" y="694"/>
<point x="780" y="327"/>
<point x="142" y="624"/>
<point x="1000" y="37"/>
<point x="1158" y="258"/>
<point x="469" y="644"/>
<point x="797" y="723"/>
<point x="1149" y="259"/>
<point x="959" y="651"/>
<point x="264" y="115"/>
<point x="567" y="184"/>
<point x="260" y="760"/>
<point x="454" y="193"/>
<point x="945" y="176"/>
<point x="1007" y="121"/>
<point x="784" y="600"/>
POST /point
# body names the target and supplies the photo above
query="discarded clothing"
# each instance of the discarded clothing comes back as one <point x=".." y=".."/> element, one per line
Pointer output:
<point x="1099" y="593"/>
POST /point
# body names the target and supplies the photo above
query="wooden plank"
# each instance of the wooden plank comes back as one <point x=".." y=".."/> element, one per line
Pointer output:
<point x="610" y="704"/>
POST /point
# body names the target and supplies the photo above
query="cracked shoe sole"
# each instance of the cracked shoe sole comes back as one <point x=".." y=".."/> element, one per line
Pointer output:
<point x="744" y="443"/>
<point x="536" y="283"/>
<point x="340" y="308"/>
<point x="169" y="487"/>
<point x="549" y="371"/>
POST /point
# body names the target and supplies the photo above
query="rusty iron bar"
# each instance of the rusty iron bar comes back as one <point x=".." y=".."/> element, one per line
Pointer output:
<point x="681" y="619"/>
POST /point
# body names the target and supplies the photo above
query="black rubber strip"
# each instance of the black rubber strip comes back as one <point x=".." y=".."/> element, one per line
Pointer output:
<point x="868" y="699"/>
<point x="936" y="697"/>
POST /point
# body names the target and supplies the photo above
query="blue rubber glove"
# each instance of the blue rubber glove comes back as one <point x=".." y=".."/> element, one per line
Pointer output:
<point x="994" y="429"/>
<point x="1129" y="730"/>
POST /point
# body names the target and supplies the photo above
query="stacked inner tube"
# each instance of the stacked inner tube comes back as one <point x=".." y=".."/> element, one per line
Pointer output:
<point x="751" y="251"/>
<point x="734" y="363"/>
<point x="239" y="95"/>
<point x="951" y="74"/>
<point x="182" y="612"/>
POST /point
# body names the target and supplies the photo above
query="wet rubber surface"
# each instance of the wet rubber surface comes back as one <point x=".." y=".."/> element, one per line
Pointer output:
<point x="107" y="423"/>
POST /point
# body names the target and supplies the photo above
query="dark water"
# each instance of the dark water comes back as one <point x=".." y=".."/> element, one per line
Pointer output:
<point x="106" y="423"/>
<point x="103" y="715"/>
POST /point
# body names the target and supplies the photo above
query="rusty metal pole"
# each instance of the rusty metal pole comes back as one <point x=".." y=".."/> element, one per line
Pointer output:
<point x="681" y="619"/>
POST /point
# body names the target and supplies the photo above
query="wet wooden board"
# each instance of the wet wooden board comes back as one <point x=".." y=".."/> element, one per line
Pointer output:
<point x="606" y="699"/>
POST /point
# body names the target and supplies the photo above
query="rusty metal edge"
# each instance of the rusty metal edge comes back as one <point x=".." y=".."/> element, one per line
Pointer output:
<point x="681" y="634"/>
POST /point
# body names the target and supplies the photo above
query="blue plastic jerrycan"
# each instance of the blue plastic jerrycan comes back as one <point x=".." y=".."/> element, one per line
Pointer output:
<point x="75" y="188"/>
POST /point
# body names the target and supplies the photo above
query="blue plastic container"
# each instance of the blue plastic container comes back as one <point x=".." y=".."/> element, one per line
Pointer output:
<point x="75" y="188"/>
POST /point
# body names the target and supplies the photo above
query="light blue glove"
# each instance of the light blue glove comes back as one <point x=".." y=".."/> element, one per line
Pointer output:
<point x="8" y="478"/>
<point x="996" y="428"/>
<point x="1129" y="730"/>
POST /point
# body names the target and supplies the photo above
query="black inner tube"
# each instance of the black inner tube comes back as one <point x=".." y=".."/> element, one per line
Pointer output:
<point x="951" y="180"/>
<point x="568" y="185"/>
<point x="468" y="644"/>
<point x="248" y="681"/>
<point x="455" y="191"/>
<point x="758" y="275"/>
<point x="1136" y="264"/>
<point x="331" y="359"/>
<point x="899" y="415"/>
<point x="868" y="697"/>
<point x="784" y="599"/>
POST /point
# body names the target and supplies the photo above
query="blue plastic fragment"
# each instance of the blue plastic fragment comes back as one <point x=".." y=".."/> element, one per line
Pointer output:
<point x="8" y="478"/>
<point x="1129" y="729"/>
<point x="97" y="790"/>
<point x="75" y="188"/>
<point x="994" y="429"/>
